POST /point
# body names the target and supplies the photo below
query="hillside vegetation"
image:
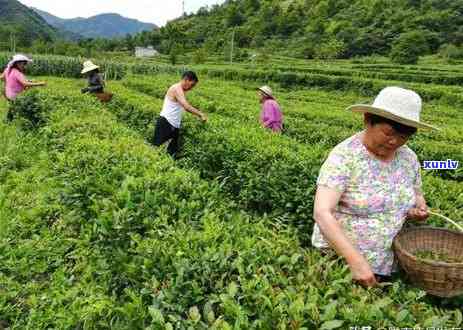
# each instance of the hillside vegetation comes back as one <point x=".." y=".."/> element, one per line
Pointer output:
<point x="22" y="23"/>
<point x="314" y="28"/>
<point x="403" y="30"/>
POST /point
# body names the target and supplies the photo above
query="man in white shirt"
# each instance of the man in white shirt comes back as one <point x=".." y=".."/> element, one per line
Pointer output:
<point x="170" y="119"/>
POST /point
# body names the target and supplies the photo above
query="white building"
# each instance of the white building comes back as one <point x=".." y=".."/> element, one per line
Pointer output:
<point x="146" y="52"/>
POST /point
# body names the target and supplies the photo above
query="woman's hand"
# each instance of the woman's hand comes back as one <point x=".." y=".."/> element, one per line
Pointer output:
<point x="418" y="214"/>
<point x="420" y="211"/>
<point x="203" y="117"/>
<point x="362" y="273"/>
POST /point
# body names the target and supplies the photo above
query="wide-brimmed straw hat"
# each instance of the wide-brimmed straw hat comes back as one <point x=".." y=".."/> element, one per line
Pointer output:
<point x="19" y="58"/>
<point x="266" y="90"/>
<point x="89" y="66"/>
<point x="397" y="104"/>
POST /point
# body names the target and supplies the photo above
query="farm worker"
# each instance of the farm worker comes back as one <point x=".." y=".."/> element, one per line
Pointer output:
<point x="271" y="116"/>
<point x="95" y="81"/>
<point x="169" y="122"/>
<point x="370" y="185"/>
<point x="15" y="80"/>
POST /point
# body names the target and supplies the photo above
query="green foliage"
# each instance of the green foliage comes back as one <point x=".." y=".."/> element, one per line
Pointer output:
<point x="234" y="16"/>
<point x="200" y="56"/>
<point x="450" y="52"/>
<point x="174" y="54"/>
<point x="242" y="174"/>
<point x="342" y="28"/>
<point x="332" y="49"/>
<point x="21" y="26"/>
<point x="408" y="48"/>
<point x="30" y="108"/>
<point x="70" y="67"/>
<point x="329" y="29"/>
<point x="100" y="230"/>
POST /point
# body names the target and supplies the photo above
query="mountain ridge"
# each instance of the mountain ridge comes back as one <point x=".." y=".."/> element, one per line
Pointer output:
<point x="22" y="22"/>
<point x="105" y="25"/>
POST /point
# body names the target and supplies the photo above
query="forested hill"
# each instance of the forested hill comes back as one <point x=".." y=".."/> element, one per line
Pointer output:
<point x="343" y="28"/>
<point x="23" y="24"/>
<point x="107" y="25"/>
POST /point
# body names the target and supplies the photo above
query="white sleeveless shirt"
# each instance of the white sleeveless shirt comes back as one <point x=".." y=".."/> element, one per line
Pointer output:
<point x="172" y="111"/>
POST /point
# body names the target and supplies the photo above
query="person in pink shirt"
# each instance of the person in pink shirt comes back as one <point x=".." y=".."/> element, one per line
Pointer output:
<point x="271" y="116"/>
<point x="15" y="80"/>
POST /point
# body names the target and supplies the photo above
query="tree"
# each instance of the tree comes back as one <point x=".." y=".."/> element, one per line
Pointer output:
<point x="251" y="6"/>
<point x="200" y="56"/>
<point x="234" y="16"/>
<point x="173" y="54"/>
<point x="451" y="52"/>
<point x="409" y="47"/>
<point x="331" y="49"/>
<point x="129" y="42"/>
<point x="40" y="47"/>
<point x="361" y="27"/>
<point x="155" y="38"/>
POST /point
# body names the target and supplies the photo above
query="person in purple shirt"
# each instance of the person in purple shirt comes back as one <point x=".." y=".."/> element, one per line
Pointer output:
<point x="271" y="116"/>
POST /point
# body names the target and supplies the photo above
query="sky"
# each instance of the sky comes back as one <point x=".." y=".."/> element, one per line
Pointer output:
<point x="150" y="11"/>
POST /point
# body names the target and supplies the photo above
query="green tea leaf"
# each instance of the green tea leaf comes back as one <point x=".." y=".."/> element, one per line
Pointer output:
<point x="458" y="317"/>
<point x="333" y="324"/>
<point x="383" y="302"/>
<point x="330" y="311"/>
<point x="156" y="314"/>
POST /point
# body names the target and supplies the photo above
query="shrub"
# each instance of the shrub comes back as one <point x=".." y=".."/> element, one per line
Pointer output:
<point x="408" y="48"/>
<point x="450" y="52"/>
<point x="332" y="49"/>
<point x="200" y="56"/>
<point x="30" y="108"/>
<point x="69" y="67"/>
<point x="101" y="231"/>
<point x="173" y="55"/>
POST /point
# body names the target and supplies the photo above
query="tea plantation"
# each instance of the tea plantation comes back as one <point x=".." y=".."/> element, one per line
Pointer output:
<point x="102" y="231"/>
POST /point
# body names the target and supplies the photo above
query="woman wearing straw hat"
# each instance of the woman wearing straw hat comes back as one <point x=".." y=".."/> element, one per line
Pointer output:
<point x="95" y="81"/>
<point x="15" y="80"/>
<point x="271" y="116"/>
<point x="369" y="185"/>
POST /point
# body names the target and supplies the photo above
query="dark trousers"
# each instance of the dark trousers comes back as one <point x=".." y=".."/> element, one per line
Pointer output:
<point x="163" y="132"/>
<point x="10" y="113"/>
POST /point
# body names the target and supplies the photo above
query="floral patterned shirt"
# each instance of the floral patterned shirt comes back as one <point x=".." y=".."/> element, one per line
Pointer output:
<point x="376" y="197"/>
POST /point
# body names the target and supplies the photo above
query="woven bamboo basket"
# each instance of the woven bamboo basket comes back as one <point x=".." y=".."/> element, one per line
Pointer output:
<point x="437" y="278"/>
<point x="104" y="97"/>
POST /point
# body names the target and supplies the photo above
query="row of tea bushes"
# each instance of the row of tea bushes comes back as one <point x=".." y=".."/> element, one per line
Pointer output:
<point x="316" y="119"/>
<point x="434" y="77"/>
<point x="367" y="82"/>
<point x="70" y="67"/>
<point x="105" y="232"/>
<point x="236" y="155"/>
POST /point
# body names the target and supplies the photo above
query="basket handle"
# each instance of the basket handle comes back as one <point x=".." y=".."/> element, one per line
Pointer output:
<point x="447" y="219"/>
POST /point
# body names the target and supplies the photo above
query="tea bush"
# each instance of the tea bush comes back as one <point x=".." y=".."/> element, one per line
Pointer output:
<point x="62" y="66"/>
<point x="30" y="109"/>
<point x="100" y="230"/>
<point x="305" y="124"/>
